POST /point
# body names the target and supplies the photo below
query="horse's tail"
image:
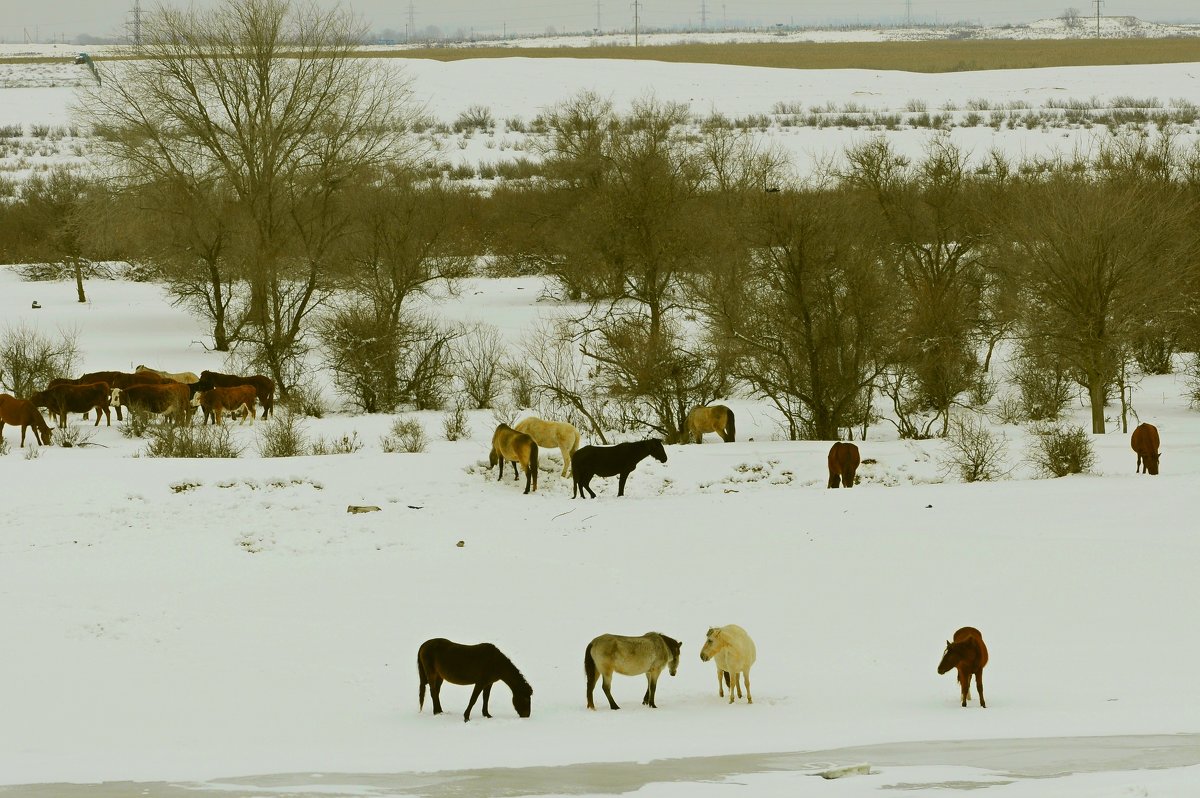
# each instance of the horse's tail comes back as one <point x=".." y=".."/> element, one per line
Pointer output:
<point x="533" y="457"/>
<point x="424" y="681"/>
<point x="589" y="665"/>
<point x="730" y="427"/>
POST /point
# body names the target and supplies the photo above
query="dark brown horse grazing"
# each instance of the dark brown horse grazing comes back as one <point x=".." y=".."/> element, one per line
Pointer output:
<point x="1145" y="442"/>
<point x="516" y="447"/>
<point x="843" y="465"/>
<point x="713" y="418"/>
<point x="441" y="660"/>
<point x="968" y="653"/>
<point x="24" y="414"/>
<point x="607" y="461"/>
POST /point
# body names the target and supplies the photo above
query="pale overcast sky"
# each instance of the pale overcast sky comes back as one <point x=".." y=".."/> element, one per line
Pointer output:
<point x="68" y="18"/>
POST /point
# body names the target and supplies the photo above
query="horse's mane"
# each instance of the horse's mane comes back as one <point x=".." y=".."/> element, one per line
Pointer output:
<point x="513" y="673"/>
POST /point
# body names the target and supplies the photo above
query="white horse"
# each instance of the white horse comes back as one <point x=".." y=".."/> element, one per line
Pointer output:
<point x="182" y="376"/>
<point x="552" y="435"/>
<point x="733" y="651"/>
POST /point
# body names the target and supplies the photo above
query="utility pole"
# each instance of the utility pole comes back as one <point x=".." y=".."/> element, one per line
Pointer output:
<point x="703" y="15"/>
<point x="597" y="16"/>
<point x="1097" y="4"/>
<point x="135" y="24"/>
<point x="908" y="13"/>
<point x="637" y="19"/>
<point x="412" y="28"/>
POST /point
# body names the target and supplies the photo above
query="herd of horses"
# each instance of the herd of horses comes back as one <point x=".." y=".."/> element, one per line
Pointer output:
<point x="174" y="396"/>
<point x="730" y="647"/>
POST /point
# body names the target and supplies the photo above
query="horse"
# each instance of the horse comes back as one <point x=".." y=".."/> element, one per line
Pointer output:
<point x="843" y="464"/>
<point x="23" y="413"/>
<point x="629" y="656"/>
<point x="714" y="418"/>
<point x="1144" y="441"/>
<point x="554" y="435"/>
<point x="968" y="653"/>
<point x="441" y="660"/>
<point x="180" y="376"/>
<point x="733" y="652"/>
<point x="508" y="444"/>
<point x="64" y="398"/>
<point x="606" y="461"/>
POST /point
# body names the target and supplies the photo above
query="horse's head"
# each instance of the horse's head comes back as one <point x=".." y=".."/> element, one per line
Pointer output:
<point x="523" y="698"/>
<point x="1150" y="462"/>
<point x="657" y="451"/>
<point x="712" y="644"/>
<point x="951" y="657"/>
<point x="673" y="647"/>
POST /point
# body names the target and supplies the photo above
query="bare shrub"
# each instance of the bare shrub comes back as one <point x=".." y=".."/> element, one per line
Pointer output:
<point x="1009" y="409"/>
<point x="3" y="446"/>
<point x="972" y="451"/>
<point x="405" y="435"/>
<point x="454" y="423"/>
<point x="78" y="435"/>
<point x="475" y="117"/>
<point x="284" y="436"/>
<point x="1059" y="450"/>
<point x="29" y="360"/>
<point x="190" y="440"/>
<point x="480" y="355"/>
<point x="1043" y="384"/>
<point x="137" y="423"/>
<point x="345" y="444"/>
<point x="521" y="382"/>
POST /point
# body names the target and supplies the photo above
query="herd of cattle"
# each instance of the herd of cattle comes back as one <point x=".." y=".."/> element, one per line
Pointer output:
<point x="173" y="396"/>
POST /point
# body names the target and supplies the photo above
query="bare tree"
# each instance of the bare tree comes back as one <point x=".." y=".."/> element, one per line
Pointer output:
<point x="1071" y="18"/>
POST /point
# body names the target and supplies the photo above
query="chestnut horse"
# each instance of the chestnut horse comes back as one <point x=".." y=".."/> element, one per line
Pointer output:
<point x="24" y="414"/>
<point x="843" y="465"/>
<point x="629" y="656"/>
<point x="968" y="653"/>
<point x="714" y="418"/>
<point x="440" y="660"/>
<point x="517" y="447"/>
<point x="1144" y="441"/>
<point x="554" y="435"/>
<point x="733" y="652"/>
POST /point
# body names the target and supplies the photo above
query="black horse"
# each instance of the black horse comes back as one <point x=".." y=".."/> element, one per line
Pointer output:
<point x="441" y="660"/>
<point x="607" y="461"/>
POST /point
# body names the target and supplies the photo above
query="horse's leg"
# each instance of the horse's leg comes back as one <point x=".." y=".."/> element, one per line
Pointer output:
<point x="435" y="692"/>
<point x="979" y="688"/>
<point x="735" y="686"/>
<point x="720" y="682"/>
<point x="487" y="693"/>
<point x="566" y="455"/>
<point x="516" y="476"/>
<point x="651" y="684"/>
<point x="528" y="476"/>
<point x="746" y="678"/>
<point x="621" y="484"/>
<point x="964" y="683"/>
<point x="474" y="697"/>
<point x="607" y="685"/>
<point x="593" y="676"/>
<point x="500" y="476"/>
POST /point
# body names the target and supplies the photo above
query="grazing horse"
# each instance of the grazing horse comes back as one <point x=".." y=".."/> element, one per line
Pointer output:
<point x="65" y="398"/>
<point x="606" y="461"/>
<point x="968" y="653"/>
<point x="24" y="414"/>
<point x="629" y="656"/>
<point x="180" y="376"/>
<point x="264" y="387"/>
<point x="1145" y="442"/>
<point x="715" y="418"/>
<point x="441" y="660"/>
<point x="552" y="435"/>
<point x="508" y="444"/>
<point x="733" y="652"/>
<point x="843" y="464"/>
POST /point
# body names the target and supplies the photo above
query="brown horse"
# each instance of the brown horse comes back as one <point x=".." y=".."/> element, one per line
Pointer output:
<point x="441" y="660"/>
<point x="23" y="413"/>
<point x="1145" y="442"/>
<point x="968" y="653"/>
<point x="714" y="418"/>
<point x="647" y="654"/>
<point x="517" y="447"/>
<point x="843" y="465"/>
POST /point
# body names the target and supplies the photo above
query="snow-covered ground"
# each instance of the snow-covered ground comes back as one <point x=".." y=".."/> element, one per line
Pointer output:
<point x="199" y="622"/>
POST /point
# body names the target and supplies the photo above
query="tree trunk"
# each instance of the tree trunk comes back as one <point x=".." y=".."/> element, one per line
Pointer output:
<point x="1096" y="393"/>
<point x="79" y="281"/>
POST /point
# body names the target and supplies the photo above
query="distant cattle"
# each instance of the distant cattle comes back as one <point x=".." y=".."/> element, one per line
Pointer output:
<point x="65" y="398"/>
<point x="115" y="379"/>
<point x="179" y="376"/>
<point x="843" y="465"/>
<point x="1144" y="441"/>
<point x="22" y="413"/>
<point x="171" y="399"/>
<point x="215" y="401"/>
<point x="264" y="387"/>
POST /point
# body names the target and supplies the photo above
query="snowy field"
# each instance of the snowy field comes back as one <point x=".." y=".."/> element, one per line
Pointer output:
<point x="191" y="624"/>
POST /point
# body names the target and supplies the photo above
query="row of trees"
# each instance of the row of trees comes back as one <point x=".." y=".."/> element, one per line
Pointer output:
<point x="277" y="198"/>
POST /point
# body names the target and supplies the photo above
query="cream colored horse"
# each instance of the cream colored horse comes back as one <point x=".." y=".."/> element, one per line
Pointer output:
<point x="182" y="376"/>
<point x="552" y="435"/>
<point x="713" y="418"/>
<point x="733" y="651"/>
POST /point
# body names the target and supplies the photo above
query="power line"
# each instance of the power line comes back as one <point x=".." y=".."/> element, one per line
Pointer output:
<point x="908" y="13"/>
<point x="135" y="24"/>
<point x="703" y="15"/>
<point x="637" y="8"/>
<point x="1097" y="4"/>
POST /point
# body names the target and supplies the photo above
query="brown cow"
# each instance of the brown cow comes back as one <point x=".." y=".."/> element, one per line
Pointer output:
<point x="214" y="401"/>
<point x="1144" y="441"/>
<point x="115" y="379"/>
<point x="843" y="464"/>
<point x="264" y="387"/>
<point x="169" y="398"/>
<point x="23" y="413"/>
<point x="65" y="398"/>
